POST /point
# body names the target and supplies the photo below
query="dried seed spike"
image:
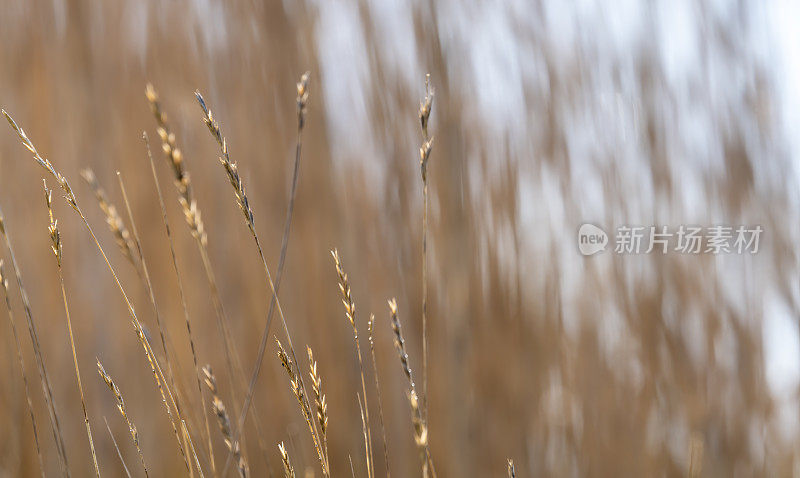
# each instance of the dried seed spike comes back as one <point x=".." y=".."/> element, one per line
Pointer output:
<point x="417" y="417"/>
<point x="176" y="162"/>
<point x="399" y="342"/>
<point x="218" y="407"/>
<point x="302" y="99"/>
<point x="297" y="390"/>
<point x="44" y="163"/>
<point x="350" y="313"/>
<point x="425" y="106"/>
<point x="55" y="236"/>
<point x="115" y="223"/>
<point x="230" y="167"/>
<point x="122" y="410"/>
<point x="288" y="471"/>
<point x="319" y="396"/>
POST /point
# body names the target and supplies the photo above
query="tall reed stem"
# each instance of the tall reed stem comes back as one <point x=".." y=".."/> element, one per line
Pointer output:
<point x="56" y="246"/>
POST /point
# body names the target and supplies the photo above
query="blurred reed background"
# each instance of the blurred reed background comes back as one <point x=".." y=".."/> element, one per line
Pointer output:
<point x="546" y="115"/>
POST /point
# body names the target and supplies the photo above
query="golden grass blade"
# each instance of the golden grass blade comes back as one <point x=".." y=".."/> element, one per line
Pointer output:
<point x="288" y="471"/>
<point x="319" y="402"/>
<point x="115" y="223"/>
<point x="47" y="389"/>
<point x="123" y="411"/>
<point x="55" y="239"/>
<point x="350" y="313"/>
<point x="295" y="382"/>
<point x="162" y="331"/>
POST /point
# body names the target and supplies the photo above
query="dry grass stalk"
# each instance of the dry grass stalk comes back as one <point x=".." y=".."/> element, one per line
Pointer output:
<point x="230" y="167"/>
<point x="175" y="158"/>
<point x="232" y="172"/>
<point x="47" y="389"/>
<point x="163" y="390"/>
<point x="319" y="401"/>
<point x="295" y="382"/>
<point x="424" y="154"/>
<point x="350" y="313"/>
<point x="21" y="361"/>
<point x="302" y="102"/>
<point x="224" y="421"/>
<point x="417" y="418"/>
<point x="116" y="447"/>
<point x="183" y="303"/>
<point x="370" y="332"/>
<point x="512" y="473"/>
<point x="115" y="223"/>
<point x="56" y="246"/>
<point x="123" y="411"/>
<point x="70" y="198"/>
<point x="288" y="471"/>
<point x="193" y="219"/>
<point x="145" y="276"/>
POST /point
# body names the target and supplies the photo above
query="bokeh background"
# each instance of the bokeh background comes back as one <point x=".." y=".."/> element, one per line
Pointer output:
<point x="547" y="114"/>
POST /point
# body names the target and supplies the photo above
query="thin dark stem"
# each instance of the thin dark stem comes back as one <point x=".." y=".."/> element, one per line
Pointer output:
<point x="262" y="347"/>
<point x="119" y="454"/>
<point x="22" y="369"/>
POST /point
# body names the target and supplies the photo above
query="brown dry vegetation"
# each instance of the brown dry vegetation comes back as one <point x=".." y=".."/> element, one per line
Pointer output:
<point x="606" y="366"/>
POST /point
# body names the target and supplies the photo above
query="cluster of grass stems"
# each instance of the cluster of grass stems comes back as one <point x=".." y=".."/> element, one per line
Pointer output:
<point x="194" y="444"/>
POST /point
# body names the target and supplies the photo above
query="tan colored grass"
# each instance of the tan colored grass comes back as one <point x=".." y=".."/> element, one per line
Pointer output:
<point x="232" y="172"/>
<point x="295" y="383"/>
<point x="417" y="417"/>
<point x="187" y="321"/>
<point x="302" y="103"/>
<point x="350" y="313"/>
<point x="424" y="155"/>
<point x="44" y="379"/>
<point x="21" y="362"/>
<point x="56" y="246"/>
<point x="194" y="221"/>
<point x="123" y="411"/>
<point x="72" y="201"/>
<point x="115" y="223"/>
<point x="319" y="400"/>
<point x="224" y="421"/>
<point x="288" y="471"/>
